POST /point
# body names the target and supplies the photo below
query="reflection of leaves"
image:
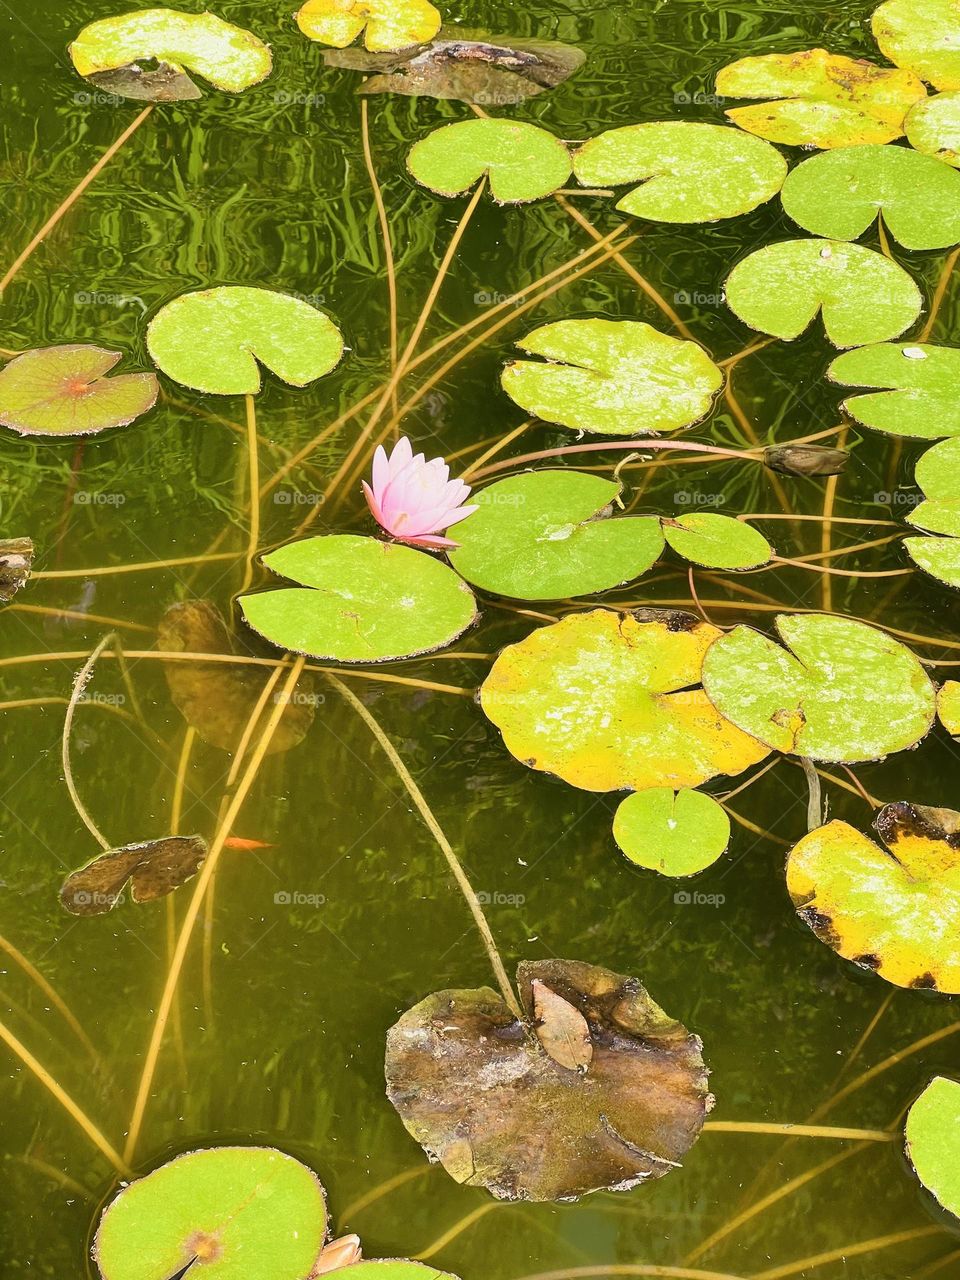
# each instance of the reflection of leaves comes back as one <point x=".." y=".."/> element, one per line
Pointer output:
<point x="153" y="867"/>
<point x="65" y="391"/>
<point x="481" y="1093"/>
<point x="466" y="67"/>
<point x="218" y="700"/>
<point x="933" y="1141"/>
<point x="16" y="560"/>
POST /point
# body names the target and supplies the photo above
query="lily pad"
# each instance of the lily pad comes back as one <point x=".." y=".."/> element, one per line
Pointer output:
<point x="820" y="99"/>
<point x="154" y="868"/>
<point x="611" y="701"/>
<point x="492" y="1099"/>
<point x="675" y="833"/>
<point x="16" y="561"/>
<point x="545" y="535"/>
<point x="386" y="24"/>
<point x="933" y="127"/>
<point x="940" y="557"/>
<point x="211" y="340"/>
<point x="217" y="700"/>
<point x="918" y="388"/>
<point x="690" y="172"/>
<point x="938" y="474"/>
<point x="396" y="1269"/>
<point x="64" y="391"/>
<point x="229" y="57"/>
<point x="234" y="1213"/>
<point x="839" y="194"/>
<point x="893" y="910"/>
<point x="465" y="66"/>
<point x="841" y="691"/>
<point x="716" y="541"/>
<point x="923" y="36"/>
<point x="521" y="161"/>
<point x="617" y="377"/>
<point x="360" y="600"/>
<point x="948" y="706"/>
<point x="863" y="296"/>
<point x="933" y="1141"/>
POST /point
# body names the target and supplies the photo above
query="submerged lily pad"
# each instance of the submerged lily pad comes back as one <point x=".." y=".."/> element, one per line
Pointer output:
<point x="500" y="1104"/>
<point x="211" y="340"/>
<point x="360" y="600"/>
<point x="933" y="1141"/>
<point x="933" y="127"/>
<point x="918" y="388"/>
<point x="386" y="24"/>
<point x="65" y="391"/>
<point x="522" y="161"/>
<point x="716" y="541"/>
<point x="544" y="535"/>
<point x="894" y="911"/>
<point x="839" y="194"/>
<point x="617" y="377"/>
<point x="230" y="1213"/>
<point x="841" y="691"/>
<point x="16" y="561"/>
<point x="154" y="868"/>
<point x="922" y="35"/>
<point x="863" y="296"/>
<point x="229" y="57"/>
<point x="217" y="699"/>
<point x="822" y="99"/>
<point x="465" y="66"/>
<point x="805" y="459"/>
<point x="611" y="701"/>
<point x="690" y="172"/>
<point x="675" y="833"/>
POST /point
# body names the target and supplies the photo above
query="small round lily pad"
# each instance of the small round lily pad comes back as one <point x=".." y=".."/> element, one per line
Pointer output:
<point x="922" y="35"/>
<point x="387" y="25"/>
<point x="690" y="172"/>
<point x="548" y="535"/>
<point x="948" y="706"/>
<point x="360" y="600"/>
<point x="522" y="161"/>
<point x="716" y="541"/>
<point x="676" y="833"/>
<point x="938" y="474"/>
<point x="933" y="127"/>
<point x="212" y="339"/>
<point x="839" y="194"/>
<point x="940" y="557"/>
<point x="617" y="377"/>
<point x="863" y="296"/>
<point x="933" y="1141"/>
<point x="65" y="391"/>
<point x="917" y="388"/>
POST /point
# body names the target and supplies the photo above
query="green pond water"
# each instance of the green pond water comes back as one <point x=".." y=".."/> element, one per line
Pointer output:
<point x="316" y="944"/>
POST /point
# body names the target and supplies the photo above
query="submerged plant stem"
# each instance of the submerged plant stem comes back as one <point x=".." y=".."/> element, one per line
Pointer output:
<point x="457" y="1229"/>
<point x="253" y="488"/>
<point x="79" y="684"/>
<point x="847" y="1251"/>
<point x="815" y="811"/>
<point x="426" y="813"/>
<point x="388" y="259"/>
<point x="799" y="1130"/>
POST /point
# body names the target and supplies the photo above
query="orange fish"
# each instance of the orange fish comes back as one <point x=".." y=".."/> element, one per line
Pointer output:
<point x="246" y="846"/>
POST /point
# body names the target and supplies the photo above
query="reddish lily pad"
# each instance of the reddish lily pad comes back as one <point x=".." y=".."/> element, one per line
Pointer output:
<point x="64" y="391"/>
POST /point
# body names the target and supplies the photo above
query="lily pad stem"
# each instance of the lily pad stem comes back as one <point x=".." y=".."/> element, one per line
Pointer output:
<point x="80" y="683"/>
<point x="815" y="810"/>
<point x="426" y="813"/>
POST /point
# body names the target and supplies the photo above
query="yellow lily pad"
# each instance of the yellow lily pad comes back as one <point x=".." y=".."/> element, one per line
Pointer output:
<point x="387" y="25"/>
<point x="893" y="910"/>
<point x="948" y="706"/>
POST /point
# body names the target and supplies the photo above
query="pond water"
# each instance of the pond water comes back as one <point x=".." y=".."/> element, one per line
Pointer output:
<point x="311" y="947"/>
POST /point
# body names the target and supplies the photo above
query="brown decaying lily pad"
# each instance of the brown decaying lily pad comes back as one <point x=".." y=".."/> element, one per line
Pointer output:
<point x="805" y="460"/>
<point x="16" y="561"/>
<point x="153" y="867"/>
<point x="491" y="1098"/>
<point x="218" y="699"/>
<point x="157" y="83"/>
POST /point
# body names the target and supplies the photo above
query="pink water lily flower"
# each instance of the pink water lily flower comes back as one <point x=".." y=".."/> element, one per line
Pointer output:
<point x="415" y="500"/>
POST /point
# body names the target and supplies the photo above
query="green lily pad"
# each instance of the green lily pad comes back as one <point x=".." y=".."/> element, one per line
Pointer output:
<point x="842" y="691"/>
<point x="918" y="391"/>
<point x="387" y="25"/>
<point x="597" y="1088"/>
<point x="396" y="1269"/>
<point x="211" y="340"/>
<point x="229" y="57"/>
<point x="544" y="535"/>
<point x="940" y="557"/>
<point x="863" y="296"/>
<point x="154" y="868"/>
<point x="923" y="36"/>
<point x="521" y="161"/>
<point x="64" y="391"/>
<point x="948" y="706"/>
<point x="675" y="833"/>
<point x="938" y="474"/>
<point x="933" y="127"/>
<point x="611" y="702"/>
<point x="716" y="541"/>
<point x="360" y="600"/>
<point x="617" y="377"/>
<point x="821" y="99"/>
<point x="839" y="194"/>
<point x="892" y="910"/>
<point x="933" y="1141"/>
<point x="691" y="172"/>
<point x="236" y="1213"/>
